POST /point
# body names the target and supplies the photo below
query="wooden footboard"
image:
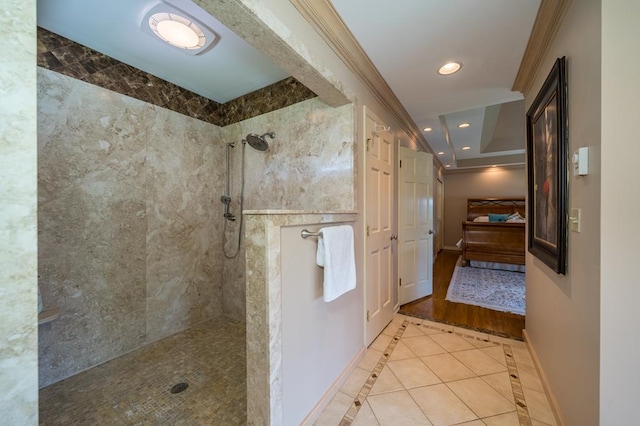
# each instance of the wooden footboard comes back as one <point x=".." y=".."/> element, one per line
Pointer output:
<point x="493" y="242"/>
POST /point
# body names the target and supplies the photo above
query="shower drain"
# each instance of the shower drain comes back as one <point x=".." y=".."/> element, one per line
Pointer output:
<point x="179" y="387"/>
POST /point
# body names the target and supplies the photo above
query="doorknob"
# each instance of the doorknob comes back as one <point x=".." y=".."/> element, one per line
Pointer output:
<point x="430" y="232"/>
<point x="394" y="237"/>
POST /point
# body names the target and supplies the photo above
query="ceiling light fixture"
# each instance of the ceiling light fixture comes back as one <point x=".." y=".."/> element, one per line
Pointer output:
<point x="177" y="30"/>
<point x="466" y="148"/>
<point x="441" y="153"/>
<point x="463" y="125"/>
<point x="428" y="129"/>
<point x="447" y="165"/>
<point x="450" y="68"/>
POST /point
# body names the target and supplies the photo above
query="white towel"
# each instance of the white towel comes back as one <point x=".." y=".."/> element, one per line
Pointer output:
<point x="336" y="254"/>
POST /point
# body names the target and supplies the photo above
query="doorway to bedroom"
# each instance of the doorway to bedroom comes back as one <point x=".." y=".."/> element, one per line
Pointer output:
<point x="459" y="187"/>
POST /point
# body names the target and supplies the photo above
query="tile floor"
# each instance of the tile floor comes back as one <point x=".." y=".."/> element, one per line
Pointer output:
<point x="134" y="389"/>
<point x="419" y="372"/>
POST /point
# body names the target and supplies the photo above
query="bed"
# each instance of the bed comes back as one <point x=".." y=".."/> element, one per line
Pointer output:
<point x="494" y="242"/>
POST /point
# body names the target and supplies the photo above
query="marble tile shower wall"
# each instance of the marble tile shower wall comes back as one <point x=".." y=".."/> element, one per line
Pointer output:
<point x="129" y="225"/>
<point x="308" y="166"/>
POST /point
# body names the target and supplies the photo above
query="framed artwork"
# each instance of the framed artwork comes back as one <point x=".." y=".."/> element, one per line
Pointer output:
<point x="547" y="167"/>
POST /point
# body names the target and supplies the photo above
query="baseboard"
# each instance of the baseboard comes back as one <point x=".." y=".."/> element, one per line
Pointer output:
<point x="555" y="407"/>
<point x="451" y="248"/>
<point x="333" y="390"/>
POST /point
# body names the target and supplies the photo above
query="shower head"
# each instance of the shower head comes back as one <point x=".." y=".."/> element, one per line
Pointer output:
<point x="258" y="142"/>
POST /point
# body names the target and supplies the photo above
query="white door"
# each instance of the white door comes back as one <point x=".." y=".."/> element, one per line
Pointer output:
<point x="379" y="226"/>
<point x="416" y="225"/>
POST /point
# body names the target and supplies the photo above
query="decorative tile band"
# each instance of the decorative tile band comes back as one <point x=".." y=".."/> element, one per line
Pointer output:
<point x="350" y="416"/>
<point x="67" y="57"/>
<point x="516" y="387"/>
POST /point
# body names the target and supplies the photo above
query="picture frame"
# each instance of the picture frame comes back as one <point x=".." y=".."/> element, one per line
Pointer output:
<point x="547" y="157"/>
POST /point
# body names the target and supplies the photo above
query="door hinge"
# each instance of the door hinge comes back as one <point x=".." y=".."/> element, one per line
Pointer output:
<point x="368" y="315"/>
<point x="368" y="144"/>
<point x="400" y="163"/>
<point x="400" y="282"/>
<point x="368" y="230"/>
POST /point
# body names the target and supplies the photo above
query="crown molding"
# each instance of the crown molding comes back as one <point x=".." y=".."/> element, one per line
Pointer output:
<point x="549" y="18"/>
<point x="329" y="25"/>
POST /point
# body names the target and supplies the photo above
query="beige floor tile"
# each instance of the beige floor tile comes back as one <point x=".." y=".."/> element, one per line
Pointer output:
<point x="397" y="409"/>
<point x="386" y="382"/>
<point x="502" y="383"/>
<point x="365" y="416"/>
<point x="508" y="419"/>
<point x="381" y="342"/>
<point x="472" y="423"/>
<point x="451" y="342"/>
<point x="423" y="346"/>
<point x="538" y="406"/>
<point x="447" y="368"/>
<point x="522" y="357"/>
<point x="482" y="343"/>
<point x="529" y="378"/>
<point x="481" y="398"/>
<point x="370" y="359"/>
<point x="401" y="351"/>
<point x="497" y="353"/>
<point x="412" y="330"/>
<point x="413" y="373"/>
<point x="535" y="422"/>
<point x="335" y="411"/>
<point x="479" y="362"/>
<point x="355" y="381"/>
<point x="441" y="405"/>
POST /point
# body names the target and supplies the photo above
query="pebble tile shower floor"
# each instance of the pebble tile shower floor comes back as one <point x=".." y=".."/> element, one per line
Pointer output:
<point x="135" y="389"/>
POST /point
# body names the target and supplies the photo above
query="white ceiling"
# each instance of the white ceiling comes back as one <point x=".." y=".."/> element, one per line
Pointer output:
<point x="407" y="42"/>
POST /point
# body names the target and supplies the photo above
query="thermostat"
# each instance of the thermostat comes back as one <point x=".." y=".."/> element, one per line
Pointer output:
<point x="580" y="161"/>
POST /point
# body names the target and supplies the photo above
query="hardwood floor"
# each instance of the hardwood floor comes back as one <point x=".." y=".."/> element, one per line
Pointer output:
<point x="436" y="308"/>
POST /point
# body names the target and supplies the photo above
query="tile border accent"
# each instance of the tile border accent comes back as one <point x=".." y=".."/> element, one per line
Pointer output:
<point x="352" y="412"/>
<point x="69" y="58"/>
<point x="516" y="387"/>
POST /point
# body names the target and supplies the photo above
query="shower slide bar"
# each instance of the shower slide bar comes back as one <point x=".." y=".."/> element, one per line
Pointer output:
<point x="305" y="233"/>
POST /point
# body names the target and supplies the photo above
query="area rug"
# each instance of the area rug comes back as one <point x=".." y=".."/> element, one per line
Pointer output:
<point x="490" y="288"/>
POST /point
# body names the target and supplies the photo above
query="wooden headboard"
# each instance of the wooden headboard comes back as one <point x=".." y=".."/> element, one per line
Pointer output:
<point x="483" y="206"/>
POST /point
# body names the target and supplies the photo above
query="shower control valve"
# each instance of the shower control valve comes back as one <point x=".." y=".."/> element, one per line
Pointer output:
<point x="225" y="199"/>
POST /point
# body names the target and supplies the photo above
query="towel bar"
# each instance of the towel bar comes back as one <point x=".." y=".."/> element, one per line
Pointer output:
<point x="305" y="233"/>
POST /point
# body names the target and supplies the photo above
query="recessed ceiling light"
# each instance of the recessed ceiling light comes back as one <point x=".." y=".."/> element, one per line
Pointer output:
<point x="447" y="165"/>
<point x="466" y="148"/>
<point x="428" y="129"/>
<point x="441" y="153"/>
<point x="450" y="68"/>
<point x="464" y="125"/>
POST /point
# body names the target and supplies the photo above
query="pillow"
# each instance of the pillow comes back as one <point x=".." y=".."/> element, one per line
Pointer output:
<point x="494" y="217"/>
<point x="515" y="217"/>
<point x="481" y="219"/>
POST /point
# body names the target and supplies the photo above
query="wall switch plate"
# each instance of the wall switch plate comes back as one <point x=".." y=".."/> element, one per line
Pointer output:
<point x="574" y="219"/>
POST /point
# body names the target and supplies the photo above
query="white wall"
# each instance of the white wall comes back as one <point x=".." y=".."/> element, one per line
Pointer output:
<point x="563" y="317"/>
<point x="18" y="234"/>
<point x="477" y="183"/>
<point x="619" y="290"/>
<point x="318" y="339"/>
